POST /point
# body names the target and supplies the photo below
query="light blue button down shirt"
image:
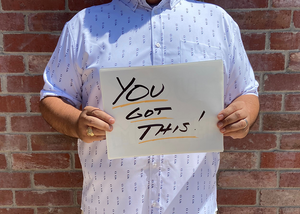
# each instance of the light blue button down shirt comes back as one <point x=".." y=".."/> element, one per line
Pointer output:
<point x="132" y="33"/>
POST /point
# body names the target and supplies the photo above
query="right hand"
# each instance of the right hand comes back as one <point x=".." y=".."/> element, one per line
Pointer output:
<point x="98" y="120"/>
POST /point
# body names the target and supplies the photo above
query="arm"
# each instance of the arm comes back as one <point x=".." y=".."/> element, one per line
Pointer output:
<point x="231" y="119"/>
<point x="70" y="121"/>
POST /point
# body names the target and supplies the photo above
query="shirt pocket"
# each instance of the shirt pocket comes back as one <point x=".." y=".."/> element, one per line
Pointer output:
<point x="195" y="52"/>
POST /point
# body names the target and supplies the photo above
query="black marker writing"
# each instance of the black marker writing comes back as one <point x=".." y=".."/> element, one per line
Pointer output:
<point x="162" y="129"/>
<point x="124" y="89"/>
<point x="135" y="113"/>
<point x="201" y="115"/>
<point x="129" y="96"/>
<point x="148" y="127"/>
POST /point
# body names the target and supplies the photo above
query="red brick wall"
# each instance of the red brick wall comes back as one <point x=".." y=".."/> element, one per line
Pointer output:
<point x="40" y="170"/>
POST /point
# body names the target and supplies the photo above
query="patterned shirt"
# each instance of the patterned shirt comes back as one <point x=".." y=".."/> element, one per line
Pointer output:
<point x="131" y="33"/>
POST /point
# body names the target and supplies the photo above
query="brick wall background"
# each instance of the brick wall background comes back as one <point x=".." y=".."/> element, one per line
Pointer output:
<point x="40" y="170"/>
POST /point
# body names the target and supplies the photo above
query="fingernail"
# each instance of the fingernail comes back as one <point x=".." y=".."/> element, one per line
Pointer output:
<point x="110" y="127"/>
<point x="111" y="120"/>
<point x="220" y="116"/>
<point x="222" y="130"/>
<point x="220" y="124"/>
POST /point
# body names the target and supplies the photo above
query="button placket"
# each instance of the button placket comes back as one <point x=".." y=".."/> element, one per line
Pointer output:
<point x="157" y="44"/>
<point x="154" y="184"/>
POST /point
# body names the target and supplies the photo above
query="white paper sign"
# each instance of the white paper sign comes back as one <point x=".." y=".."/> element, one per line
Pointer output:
<point x="168" y="109"/>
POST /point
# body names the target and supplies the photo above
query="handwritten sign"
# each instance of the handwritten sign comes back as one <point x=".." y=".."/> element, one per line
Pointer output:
<point x="168" y="109"/>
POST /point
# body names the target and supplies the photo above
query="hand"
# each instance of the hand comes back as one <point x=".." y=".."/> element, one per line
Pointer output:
<point x="98" y="120"/>
<point x="232" y="120"/>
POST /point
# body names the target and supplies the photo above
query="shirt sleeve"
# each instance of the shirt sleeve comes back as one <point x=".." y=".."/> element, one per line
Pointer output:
<point x="60" y="76"/>
<point x="239" y="79"/>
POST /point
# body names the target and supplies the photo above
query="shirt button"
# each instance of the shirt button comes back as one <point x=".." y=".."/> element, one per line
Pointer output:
<point x="155" y="205"/>
<point x="157" y="45"/>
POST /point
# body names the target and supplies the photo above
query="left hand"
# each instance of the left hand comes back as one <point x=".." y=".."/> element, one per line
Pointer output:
<point x="232" y="120"/>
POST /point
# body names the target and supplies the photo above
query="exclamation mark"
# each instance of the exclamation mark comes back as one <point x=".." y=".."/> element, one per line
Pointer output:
<point x="201" y="116"/>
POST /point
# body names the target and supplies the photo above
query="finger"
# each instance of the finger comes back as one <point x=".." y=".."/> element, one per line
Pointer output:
<point x="237" y="134"/>
<point x="241" y="125"/>
<point x="95" y="112"/>
<point x="98" y="125"/>
<point x="98" y="119"/>
<point x="92" y="139"/>
<point x="230" y="109"/>
<point x="95" y="132"/>
<point x="98" y="135"/>
<point x="98" y="132"/>
<point x="232" y="118"/>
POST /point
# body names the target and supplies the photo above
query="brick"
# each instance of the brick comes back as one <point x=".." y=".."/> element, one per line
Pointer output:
<point x="24" y="161"/>
<point x="290" y="142"/>
<point x="2" y="124"/>
<point x="281" y="122"/>
<point x="29" y="42"/>
<point x="12" y="22"/>
<point x="6" y="197"/>
<point x="14" y="180"/>
<point x="289" y="179"/>
<point x="252" y="141"/>
<point x="296" y="19"/>
<point x="13" y="143"/>
<point x="270" y="102"/>
<point x="292" y="102"/>
<point x="24" y="84"/>
<point x="43" y="198"/>
<point x="79" y="196"/>
<point x="53" y="143"/>
<point x="37" y="64"/>
<point x="246" y="210"/>
<point x="77" y="5"/>
<point x="58" y="179"/>
<point x="2" y="163"/>
<point x="16" y="211"/>
<point x="30" y="124"/>
<point x="254" y="41"/>
<point x="281" y="82"/>
<point x="267" y="62"/>
<point x="236" y="197"/>
<point x="11" y="64"/>
<point x="294" y="63"/>
<point x="262" y="19"/>
<point x="12" y="104"/>
<point x="285" y="41"/>
<point x="60" y="210"/>
<point x="34" y="104"/>
<point x="250" y="179"/>
<point x="280" y="197"/>
<point x="285" y="3"/>
<point x="48" y="21"/>
<point x="257" y="78"/>
<point x="238" y="160"/>
<point x="289" y="210"/>
<point x="280" y="160"/>
<point x="26" y="5"/>
<point x="235" y="4"/>
<point x="77" y="162"/>
<point x="255" y="125"/>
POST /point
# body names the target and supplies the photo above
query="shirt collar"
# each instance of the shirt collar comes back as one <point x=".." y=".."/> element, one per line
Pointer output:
<point x="133" y="4"/>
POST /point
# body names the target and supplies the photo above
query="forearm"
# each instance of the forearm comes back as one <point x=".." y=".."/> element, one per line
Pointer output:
<point x="60" y="115"/>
